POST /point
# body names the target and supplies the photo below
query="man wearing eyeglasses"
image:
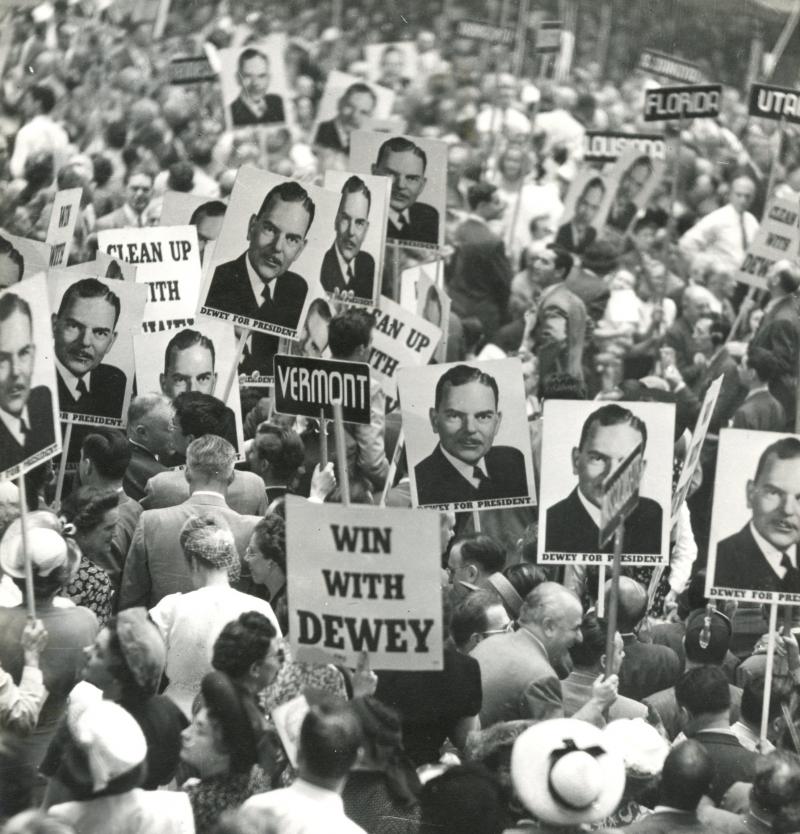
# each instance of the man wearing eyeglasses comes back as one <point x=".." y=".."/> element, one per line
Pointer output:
<point x="478" y="616"/>
<point x="472" y="560"/>
<point x="763" y="556"/>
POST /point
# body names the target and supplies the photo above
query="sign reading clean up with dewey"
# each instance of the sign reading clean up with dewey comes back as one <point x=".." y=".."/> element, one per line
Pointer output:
<point x="364" y="579"/>
<point x="307" y="386"/>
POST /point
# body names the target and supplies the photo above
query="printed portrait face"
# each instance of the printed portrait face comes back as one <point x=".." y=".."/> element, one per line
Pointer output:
<point x="352" y="224"/>
<point x="191" y="369"/>
<point x="775" y="501"/>
<point x="408" y="177"/>
<point x="466" y="421"/>
<point x="588" y="205"/>
<point x="355" y="108"/>
<point x="603" y="450"/>
<point x="17" y="354"/>
<point x="10" y="271"/>
<point x="277" y="237"/>
<point x="84" y="334"/>
<point x="634" y="180"/>
<point x="208" y="229"/>
<point x="254" y="76"/>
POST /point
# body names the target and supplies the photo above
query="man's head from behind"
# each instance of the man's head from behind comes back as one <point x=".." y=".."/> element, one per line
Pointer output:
<point x="776" y="784"/>
<point x="554" y="614"/>
<point x="196" y="415"/>
<point x="703" y="696"/>
<point x="276" y="454"/>
<point x="84" y="328"/>
<point x="590" y="653"/>
<point x="350" y="335"/>
<point x="405" y="163"/>
<point x="209" y="460"/>
<point x="477" y="616"/>
<point x="707" y="638"/>
<point x="352" y="217"/>
<point x="253" y="72"/>
<point x="207" y="219"/>
<point x="473" y="559"/>
<point x="632" y="603"/>
<point x="150" y="423"/>
<point x="465" y="413"/>
<point x="686" y="776"/>
<point x="773" y="495"/>
<point x="17" y="353"/>
<point x="277" y="233"/>
<point x="485" y="201"/>
<point x="330" y="736"/>
<point x="105" y="455"/>
<point x="608" y="436"/>
<point x="188" y="364"/>
<point x="356" y="105"/>
<point x="12" y="264"/>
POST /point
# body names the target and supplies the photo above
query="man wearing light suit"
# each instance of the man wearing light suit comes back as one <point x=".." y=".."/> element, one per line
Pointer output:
<point x="156" y="565"/>
<point x="345" y="267"/>
<point x="465" y="466"/>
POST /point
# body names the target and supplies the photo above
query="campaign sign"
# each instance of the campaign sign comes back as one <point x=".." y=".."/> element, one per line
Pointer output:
<point x="477" y="30"/>
<point x="190" y="70"/>
<point x="669" y="66"/>
<point x="778" y="238"/>
<point x="63" y="217"/>
<point x="620" y="494"/>
<point x="608" y="146"/>
<point x="548" y="37"/>
<point x="769" y="102"/>
<point x="307" y="386"/>
<point x="354" y="588"/>
<point x="696" y="102"/>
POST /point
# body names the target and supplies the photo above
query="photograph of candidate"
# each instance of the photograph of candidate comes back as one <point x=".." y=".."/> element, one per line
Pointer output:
<point x="631" y="183"/>
<point x="26" y="414"/>
<point x="609" y="435"/>
<point x="355" y="105"/>
<point x="345" y="267"/>
<point x="762" y="555"/>
<point x="84" y="331"/>
<point x="258" y="284"/>
<point x="12" y="264"/>
<point x="207" y="219"/>
<point x="409" y="220"/>
<point x="465" y="466"/>
<point x="578" y="232"/>
<point x="254" y="105"/>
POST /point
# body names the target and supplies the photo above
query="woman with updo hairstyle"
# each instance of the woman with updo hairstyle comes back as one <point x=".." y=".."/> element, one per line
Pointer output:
<point x="93" y="513"/>
<point x="515" y="583"/>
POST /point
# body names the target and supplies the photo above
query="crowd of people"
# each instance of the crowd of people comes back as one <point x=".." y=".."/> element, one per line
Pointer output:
<point x="156" y="690"/>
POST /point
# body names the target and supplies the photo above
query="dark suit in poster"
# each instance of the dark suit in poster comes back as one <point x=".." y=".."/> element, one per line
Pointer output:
<point x="422" y="226"/>
<point x="41" y="433"/>
<point x="104" y="397"/>
<point x="363" y="284"/>
<point x="328" y="136"/>
<point x="438" y="481"/>
<point x="243" y="116"/>
<point x="741" y="564"/>
<point x="567" y="238"/>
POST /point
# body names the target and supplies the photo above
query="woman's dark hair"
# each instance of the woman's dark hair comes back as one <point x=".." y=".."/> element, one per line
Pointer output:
<point x="132" y="693"/>
<point x="270" y="539"/>
<point x="524" y="577"/>
<point x="87" y="506"/>
<point x="241" y="643"/>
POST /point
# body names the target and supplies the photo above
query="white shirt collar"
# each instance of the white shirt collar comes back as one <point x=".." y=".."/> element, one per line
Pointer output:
<point x="756" y="391"/>
<point x="317" y="794"/>
<point x="772" y="554"/>
<point x="134" y="219"/>
<point x="477" y="218"/>
<point x="465" y="469"/>
<point x="71" y="381"/>
<point x="256" y="283"/>
<point x="14" y="424"/>
<point x="343" y="264"/>
<point x="594" y="512"/>
<point x="396" y="215"/>
<point x="208" y="492"/>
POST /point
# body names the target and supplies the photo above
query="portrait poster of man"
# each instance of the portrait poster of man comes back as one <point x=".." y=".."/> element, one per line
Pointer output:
<point x="93" y="322"/>
<point x="392" y="65"/>
<point x="353" y="264"/>
<point x="168" y="261"/>
<point x="346" y="104"/>
<point x="582" y="444"/>
<point x="586" y="207"/>
<point x="21" y="257"/>
<point x="267" y="260"/>
<point x="755" y="519"/>
<point x="420" y="293"/>
<point x="637" y="175"/>
<point x="417" y="170"/>
<point x="313" y="339"/>
<point x="28" y="403"/>
<point x="199" y="358"/>
<point x="206" y="215"/>
<point x="254" y="84"/>
<point x="466" y="434"/>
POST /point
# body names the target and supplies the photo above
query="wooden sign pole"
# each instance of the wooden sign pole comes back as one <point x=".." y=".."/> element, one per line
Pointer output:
<point x="341" y="452"/>
<point x="323" y="440"/>
<point x="62" y="467"/>
<point x="771" y="634"/>
<point x="398" y="449"/>
<point x="23" y="520"/>
<point x="234" y="374"/>
<point x="613" y="600"/>
<point x="601" y="596"/>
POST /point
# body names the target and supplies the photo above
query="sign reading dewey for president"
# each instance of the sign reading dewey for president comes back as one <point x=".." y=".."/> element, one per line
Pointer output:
<point x="778" y="238"/>
<point x="306" y="386"/>
<point x="620" y="493"/>
<point x="364" y="579"/>
<point x="775" y="103"/>
<point x="669" y="103"/>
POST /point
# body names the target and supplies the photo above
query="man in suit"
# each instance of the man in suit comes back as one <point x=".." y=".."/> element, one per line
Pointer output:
<point x="150" y="432"/>
<point x="258" y="284"/>
<point x="155" y="565"/>
<point x="356" y="104"/>
<point x="608" y="436"/>
<point x="576" y="234"/>
<point x="26" y="415"/>
<point x="763" y="555"/>
<point x="465" y="466"/>
<point x="84" y="331"/>
<point x="479" y="283"/>
<point x="779" y="333"/>
<point x="695" y="302"/>
<point x="345" y="267"/>
<point x="199" y="415"/>
<point x="409" y="221"/>
<point x="254" y="105"/>
<point x="189" y="366"/>
<point x="138" y="191"/>
<point x="518" y="679"/>
<point x="760" y="411"/>
<point x="473" y="558"/>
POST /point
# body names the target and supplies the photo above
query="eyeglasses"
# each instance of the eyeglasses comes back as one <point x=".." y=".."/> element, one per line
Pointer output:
<point x="508" y="627"/>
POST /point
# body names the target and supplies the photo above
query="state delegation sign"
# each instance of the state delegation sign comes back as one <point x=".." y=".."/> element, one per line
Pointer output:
<point x="477" y="30"/>
<point x="364" y="579"/>
<point x="668" y="103"/>
<point x="670" y="66"/>
<point x="776" y="103"/>
<point x="307" y="386"/>
<point x="608" y="146"/>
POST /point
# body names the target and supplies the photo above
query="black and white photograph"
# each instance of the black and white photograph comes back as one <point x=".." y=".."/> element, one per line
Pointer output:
<point x="93" y="322"/>
<point x="586" y="207"/>
<point x="205" y="214"/>
<point x="21" y="257"/>
<point x="29" y="432"/>
<point x="466" y="435"/>
<point x="582" y="444"/>
<point x="755" y="520"/>
<point x="392" y="65"/>
<point x="352" y="268"/>
<point x="416" y="168"/>
<point x="637" y="175"/>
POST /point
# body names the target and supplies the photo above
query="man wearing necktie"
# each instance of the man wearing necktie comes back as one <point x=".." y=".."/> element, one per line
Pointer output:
<point x="465" y="466"/>
<point x="258" y="284"/>
<point x="763" y="555"/>
<point x="26" y="415"/>
<point x="345" y="267"/>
